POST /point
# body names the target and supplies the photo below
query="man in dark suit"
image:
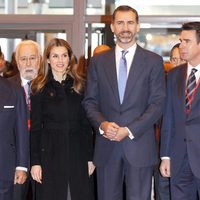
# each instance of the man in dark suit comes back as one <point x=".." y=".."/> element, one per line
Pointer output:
<point x="14" y="140"/>
<point x="27" y="55"/>
<point x="125" y="146"/>
<point x="180" y="138"/>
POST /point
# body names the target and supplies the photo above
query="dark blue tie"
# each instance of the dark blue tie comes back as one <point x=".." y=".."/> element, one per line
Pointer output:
<point x="190" y="89"/>
<point x="122" y="76"/>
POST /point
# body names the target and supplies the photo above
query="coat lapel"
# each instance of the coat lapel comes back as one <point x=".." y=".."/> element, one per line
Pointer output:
<point x="180" y="84"/>
<point x="194" y="111"/>
<point x="136" y="69"/>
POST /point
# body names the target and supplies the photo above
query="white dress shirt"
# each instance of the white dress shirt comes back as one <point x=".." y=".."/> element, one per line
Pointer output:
<point x="197" y="73"/>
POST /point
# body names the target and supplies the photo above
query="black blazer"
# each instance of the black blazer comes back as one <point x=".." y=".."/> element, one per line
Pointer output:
<point x="61" y="139"/>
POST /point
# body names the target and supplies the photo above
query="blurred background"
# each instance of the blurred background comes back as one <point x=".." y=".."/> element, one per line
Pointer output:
<point x="85" y="24"/>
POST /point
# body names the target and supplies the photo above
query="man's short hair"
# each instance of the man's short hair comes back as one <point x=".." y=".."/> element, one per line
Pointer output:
<point x="189" y="26"/>
<point x="125" y="8"/>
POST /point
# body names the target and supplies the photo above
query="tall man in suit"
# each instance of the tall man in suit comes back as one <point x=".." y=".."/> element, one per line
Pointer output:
<point x="125" y="146"/>
<point x="28" y="56"/>
<point x="14" y="140"/>
<point x="180" y="138"/>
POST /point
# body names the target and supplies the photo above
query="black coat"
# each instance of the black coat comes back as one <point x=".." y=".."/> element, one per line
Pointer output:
<point x="61" y="141"/>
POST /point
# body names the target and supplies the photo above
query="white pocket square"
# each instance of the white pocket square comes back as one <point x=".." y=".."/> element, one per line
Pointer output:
<point x="9" y="106"/>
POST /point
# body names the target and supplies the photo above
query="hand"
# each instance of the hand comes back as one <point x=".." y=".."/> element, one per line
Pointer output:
<point x="20" y="177"/>
<point x="91" y="168"/>
<point x="165" y="168"/>
<point x="110" y="129"/>
<point x="36" y="173"/>
<point x="121" y="134"/>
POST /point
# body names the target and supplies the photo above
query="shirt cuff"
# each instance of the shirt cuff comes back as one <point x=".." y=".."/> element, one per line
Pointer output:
<point x="165" y="158"/>
<point x="22" y="168"/>
<point x="130" y="134"/>
<point x="101" y="131"/>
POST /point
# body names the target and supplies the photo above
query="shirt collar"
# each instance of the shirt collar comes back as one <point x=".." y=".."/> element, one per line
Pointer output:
<point x="24" y="81"/>
<point x="131" y="49"/>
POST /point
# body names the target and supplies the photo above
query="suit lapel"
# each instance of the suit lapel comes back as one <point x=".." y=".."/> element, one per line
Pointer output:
<point x="111" y="73"/>
<point x="136" y="69"/>
<point x="180" y="84"/>
<point x="194" y="112"/>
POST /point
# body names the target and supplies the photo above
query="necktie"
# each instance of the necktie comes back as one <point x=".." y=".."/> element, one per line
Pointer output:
<point x="190" y="89"/>
<point x="122" y="76"/>
<point x="28" y="90"/>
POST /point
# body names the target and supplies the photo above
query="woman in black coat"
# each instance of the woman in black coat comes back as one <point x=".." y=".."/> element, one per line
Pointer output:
<point x="61" y="137"/>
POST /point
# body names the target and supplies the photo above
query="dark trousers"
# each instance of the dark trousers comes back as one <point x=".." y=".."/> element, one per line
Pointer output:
<point x="25" y="191"/>
<point x="118" y="170"/>
<point x="6" y="190"/>
<point x="161" y="185"/>
<point x="184" y="185"/>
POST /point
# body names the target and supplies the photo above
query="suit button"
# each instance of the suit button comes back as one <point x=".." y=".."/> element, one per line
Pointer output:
<point x="12" y="145"/>
<point x="184" y="140"/>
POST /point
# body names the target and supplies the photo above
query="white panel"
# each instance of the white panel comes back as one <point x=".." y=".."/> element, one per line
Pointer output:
<point x="61" y="3"/>
<point x="23" y="3"/>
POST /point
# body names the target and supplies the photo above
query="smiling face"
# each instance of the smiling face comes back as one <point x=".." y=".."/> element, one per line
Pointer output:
<point x="58" y="60"/>
<point x="125" y="27"/>
<point x="189" y="47"/>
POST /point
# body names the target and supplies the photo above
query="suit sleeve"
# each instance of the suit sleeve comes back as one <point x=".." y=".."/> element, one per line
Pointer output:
<point x="155" y="104"/>
<point x="21" y="131"/>
<point x="90" y="102"/>
<point x="87" y="137"/>
<point x="167" y="126"/>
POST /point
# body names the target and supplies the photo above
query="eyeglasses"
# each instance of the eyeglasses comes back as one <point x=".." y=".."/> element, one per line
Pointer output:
<point x="26" y="59"/>
<point x="175" y="59"/>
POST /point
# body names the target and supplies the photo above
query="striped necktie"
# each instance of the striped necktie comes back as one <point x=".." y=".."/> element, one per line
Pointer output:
<point x="190" y="89"/>
<point x="122" y="76"/>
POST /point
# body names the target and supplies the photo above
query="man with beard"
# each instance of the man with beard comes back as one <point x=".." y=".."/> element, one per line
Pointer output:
<point x="124" y="98"/>
<point x="28" y="56"/>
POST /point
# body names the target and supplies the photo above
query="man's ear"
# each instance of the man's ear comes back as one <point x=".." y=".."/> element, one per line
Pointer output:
<point x="112" y="27"/>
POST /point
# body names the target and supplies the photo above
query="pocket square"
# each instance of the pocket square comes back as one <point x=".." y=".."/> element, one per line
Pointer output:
<point x="9" y="106"/>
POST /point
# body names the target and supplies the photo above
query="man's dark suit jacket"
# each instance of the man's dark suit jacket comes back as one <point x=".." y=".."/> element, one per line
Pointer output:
<point x="142" y="106"/>
<point x="16" y="80"/>
<point x="181" y="132"/>
<point x="14" y="137"/>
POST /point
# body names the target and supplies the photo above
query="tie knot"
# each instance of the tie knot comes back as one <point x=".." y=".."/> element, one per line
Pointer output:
<point x="124" y="52"/>
<point x="193" y="71"/>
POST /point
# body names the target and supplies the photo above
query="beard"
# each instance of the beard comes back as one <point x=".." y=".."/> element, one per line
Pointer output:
<point x="29" y="73"/>
<point x="125" y="37"/>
